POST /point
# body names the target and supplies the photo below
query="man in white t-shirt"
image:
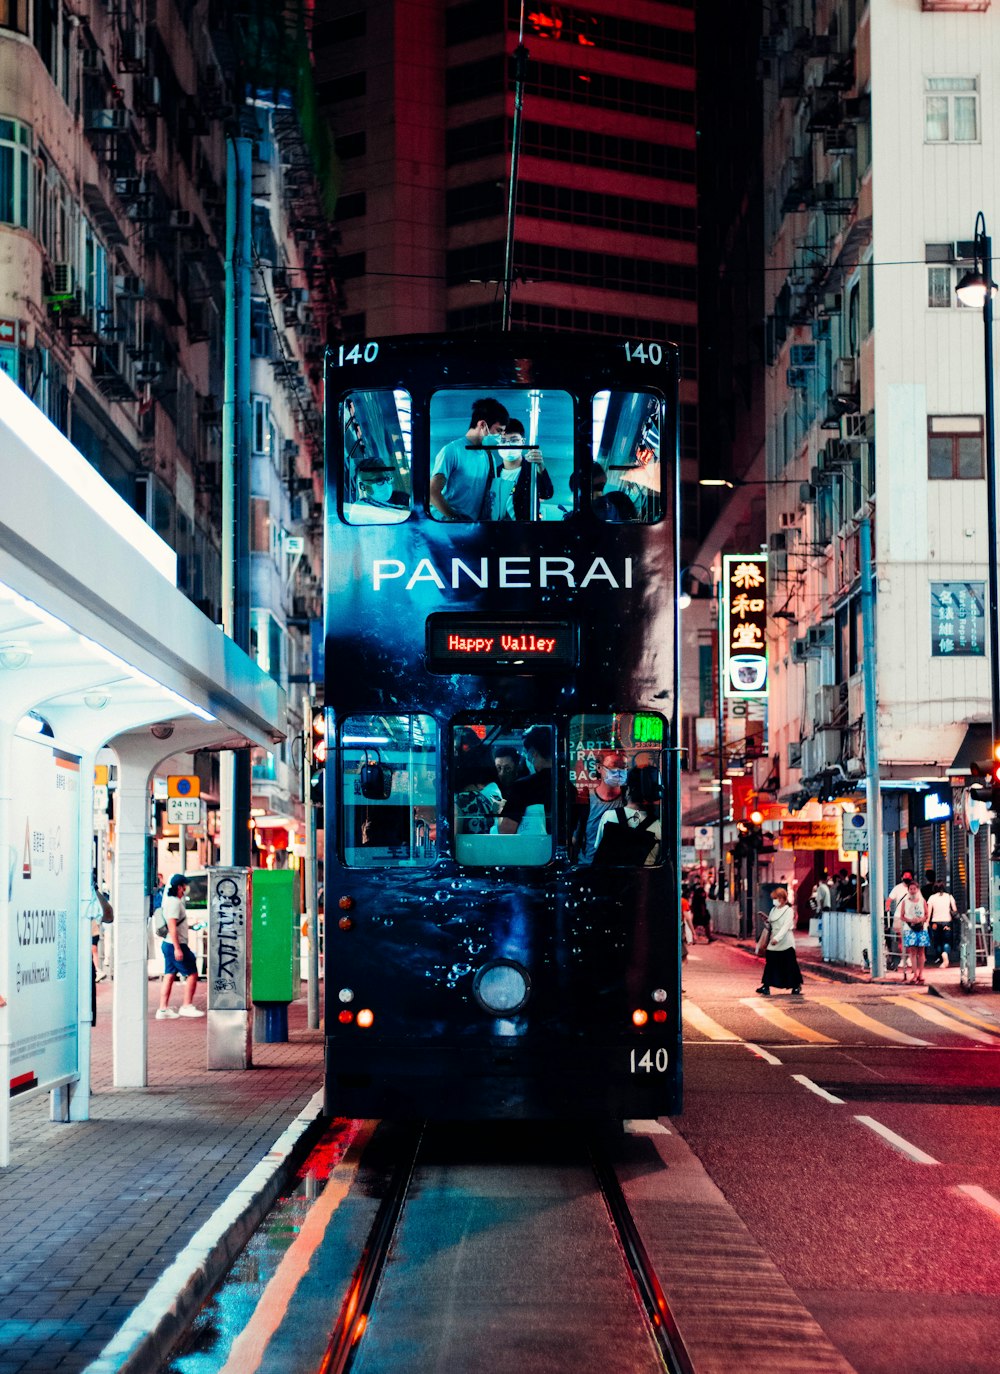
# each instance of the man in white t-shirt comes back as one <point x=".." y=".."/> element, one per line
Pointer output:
<point x="464" y="469"/>
<point x="178" y="960"/>
<point x="941" y="910"/>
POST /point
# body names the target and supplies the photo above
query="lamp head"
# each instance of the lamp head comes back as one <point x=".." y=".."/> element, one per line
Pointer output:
<point x="974" y="287"/>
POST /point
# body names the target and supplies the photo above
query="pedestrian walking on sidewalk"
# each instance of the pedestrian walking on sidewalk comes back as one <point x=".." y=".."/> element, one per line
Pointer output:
<point x="178" y="960"/>
<point x="941" y="912"/>
<point x="894" y="916"/>
<point x="777" y="944"/>
<point x="916" y="940"/>
<point x="701" y="917"/>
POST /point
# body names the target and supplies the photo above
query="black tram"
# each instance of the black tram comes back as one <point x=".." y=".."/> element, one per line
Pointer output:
<point x="501" y="868"/>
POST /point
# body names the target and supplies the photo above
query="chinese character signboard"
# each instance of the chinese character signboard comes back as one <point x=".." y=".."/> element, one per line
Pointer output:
<point x="744" y="625"/>
<point x="958" y="619"/>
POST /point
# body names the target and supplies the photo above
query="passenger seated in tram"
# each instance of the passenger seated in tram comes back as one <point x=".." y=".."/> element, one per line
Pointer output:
<point x="528" y="810"/>
<point x="478" y="799"/>
<point x="510" y="491"/>
<point x="630" y="834"/>
<point x="379" y="501"/>
<point x="462" y="471"/>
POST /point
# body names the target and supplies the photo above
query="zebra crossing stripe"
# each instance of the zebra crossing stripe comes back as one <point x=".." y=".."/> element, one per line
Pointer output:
<point x="701" y="1021"/>
<point x="787" y="1023"/>
<point x="937" y="1018"/>
<point x="859" y="1018"/>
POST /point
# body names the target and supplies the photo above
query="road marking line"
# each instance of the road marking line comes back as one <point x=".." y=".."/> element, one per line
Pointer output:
<point x="761" y="1054"/>
<point x="250" y="1346"/>
<point x="971" y="1017"/>
<point x="896" y="1141"/>
<point x="786" y="1022"/>
<point x="815" y="1088"/>
<point x="645" y="1128"/>
<point x="980" y="1195"/>
<point x="860" y="1018"/>
<point x="938" y="1018"/>
<point x="701" y="1021"/>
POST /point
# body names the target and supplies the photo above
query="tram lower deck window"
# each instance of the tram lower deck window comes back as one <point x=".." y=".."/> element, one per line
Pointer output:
<point x="388" y="790"/>
<point x="615" y="774"/>
<point x="502" y="790"/>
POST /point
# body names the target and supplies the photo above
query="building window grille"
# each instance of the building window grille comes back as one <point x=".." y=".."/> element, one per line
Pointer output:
<point x="954" y="447"/>
<point x="951" y="109"/>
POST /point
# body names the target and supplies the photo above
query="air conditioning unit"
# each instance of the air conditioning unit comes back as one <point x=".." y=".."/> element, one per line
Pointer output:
<point x="820" y="636"/>
<point x="854" y="768"/>
<point x="857" y="429"/>
<point x="845" y="377"/>
<point x="777" y="541"/>
<point x="830" y="304"/>
<point x="115" y="120"/>
<point x="820" y="752"/>
<point x="801" y="652"/>
<point x="128" y="286"/>
<point x="63" y="279"/>
<point x="181" y="219"/>
<point x="795" y="754"/>
<point x="825" y="705"/>
<point x="797" y="378"/>
<point x="807" y="494"/>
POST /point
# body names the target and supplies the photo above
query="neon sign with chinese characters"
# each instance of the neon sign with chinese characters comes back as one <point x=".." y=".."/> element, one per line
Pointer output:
<point x="744" y="625"/>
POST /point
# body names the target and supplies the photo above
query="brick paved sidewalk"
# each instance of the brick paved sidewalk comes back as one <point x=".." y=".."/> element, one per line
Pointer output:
<point x="91" y="1214"/>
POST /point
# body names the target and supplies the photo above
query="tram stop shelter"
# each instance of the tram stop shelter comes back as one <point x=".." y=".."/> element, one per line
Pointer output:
<point x="98" y="648"/>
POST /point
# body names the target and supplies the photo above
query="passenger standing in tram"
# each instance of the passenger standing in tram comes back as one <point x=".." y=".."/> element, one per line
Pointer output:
<point x="510" y="494"/>
<point x="777" y="944"/>
<point x="507" y="762"/>
<point x="630" y="832"/>
<point x="607" y="794"/>
<point x="463" y="470"/>
<point x="528" y="810"/>
<point x="478" y="799"/>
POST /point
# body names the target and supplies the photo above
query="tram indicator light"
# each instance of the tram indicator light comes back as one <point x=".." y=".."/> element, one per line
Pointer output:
<point x="475" y="645"/>
<point x="345" y="1017"/>
<point x="639" y="1017"/>
<point x="365" y="1018"/>
<point x="659" y="1014"/>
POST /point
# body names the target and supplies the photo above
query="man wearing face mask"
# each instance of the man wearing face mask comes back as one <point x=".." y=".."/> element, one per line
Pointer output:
<point x="510" y="494"/>
<point x="605" y="796"/>
<point x="528" y="810"/>
<point x="376" y="487"/>
<point x="463" y="472"/>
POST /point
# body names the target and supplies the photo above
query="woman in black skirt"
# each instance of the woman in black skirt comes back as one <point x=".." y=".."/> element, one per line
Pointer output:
<point x="777" y="944"/>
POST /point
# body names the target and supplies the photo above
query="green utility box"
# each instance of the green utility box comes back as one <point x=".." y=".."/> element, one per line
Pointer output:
<point x="275" y="962"/>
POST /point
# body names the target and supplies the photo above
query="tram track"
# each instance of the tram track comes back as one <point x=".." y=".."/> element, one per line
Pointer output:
<point x="374" y="1288"/>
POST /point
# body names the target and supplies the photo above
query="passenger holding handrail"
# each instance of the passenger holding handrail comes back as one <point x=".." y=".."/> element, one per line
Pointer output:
<point x="462" y="473"/>
<point x="529" y="800"/>
<point x="510" y="494"/>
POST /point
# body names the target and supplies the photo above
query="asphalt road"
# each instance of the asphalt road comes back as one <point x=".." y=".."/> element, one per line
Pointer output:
<point x="892" y="1244"/>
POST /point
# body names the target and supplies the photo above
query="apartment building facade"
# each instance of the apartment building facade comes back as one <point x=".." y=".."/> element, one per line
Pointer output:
<point x="882" y="142"/>
<point x="114" y="121"/>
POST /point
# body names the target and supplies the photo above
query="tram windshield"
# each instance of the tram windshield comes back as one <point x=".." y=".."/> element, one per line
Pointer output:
<point x="378" y="483"/>
<point x="387" y="789"/>
<point x="627" y="480"/>
<point x="502" y="791"/>
<point x="506" y="456"/>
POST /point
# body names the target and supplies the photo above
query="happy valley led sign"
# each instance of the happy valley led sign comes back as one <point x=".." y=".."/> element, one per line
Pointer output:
<point x="744" y="625"/>
<point x="469" y="643"/>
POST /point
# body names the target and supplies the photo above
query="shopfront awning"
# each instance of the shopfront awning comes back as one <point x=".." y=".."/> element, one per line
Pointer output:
<point x="976" y="748"/>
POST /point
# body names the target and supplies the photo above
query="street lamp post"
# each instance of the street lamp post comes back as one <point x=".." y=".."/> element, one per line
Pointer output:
<point x="684" y="600"/>
<point x="977" y="288"/>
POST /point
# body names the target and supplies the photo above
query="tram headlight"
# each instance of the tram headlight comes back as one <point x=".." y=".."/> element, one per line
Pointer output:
<point x="659" y="994"/>
<point x="502" y="987"/>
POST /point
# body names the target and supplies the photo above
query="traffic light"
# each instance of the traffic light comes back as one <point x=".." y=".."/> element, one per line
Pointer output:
<point x="318" y="769"/>
<point x="752" y="838"/>
<point x="985" y="783"/>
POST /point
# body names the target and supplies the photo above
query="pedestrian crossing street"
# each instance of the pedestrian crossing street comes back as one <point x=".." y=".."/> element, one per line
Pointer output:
<point x="906" y="1019"/>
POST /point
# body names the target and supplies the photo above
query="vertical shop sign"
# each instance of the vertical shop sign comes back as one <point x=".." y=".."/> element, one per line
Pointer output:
<point x="744" y="625"/>
<point x="958" y="619"/>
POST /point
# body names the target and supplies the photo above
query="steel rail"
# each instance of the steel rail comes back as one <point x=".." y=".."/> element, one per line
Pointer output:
<point x="666" y="1333"/>
<point x="353" y="1316"/>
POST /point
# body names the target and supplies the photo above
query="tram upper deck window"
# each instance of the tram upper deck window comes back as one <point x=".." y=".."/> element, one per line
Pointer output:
<point x="378" y="485"/>
<point x="627" y="477"/>
<point x="507" y="456"/>
<point x="502" y="788"/>
<point x="615" y="773"/>
<point x="388" y="791"/>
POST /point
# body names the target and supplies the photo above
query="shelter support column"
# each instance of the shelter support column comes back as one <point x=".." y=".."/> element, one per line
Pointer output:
<point x="129" y="1035"/>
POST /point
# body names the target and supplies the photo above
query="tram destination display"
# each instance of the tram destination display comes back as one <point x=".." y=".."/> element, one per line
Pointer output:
<point x="455" y="642"/>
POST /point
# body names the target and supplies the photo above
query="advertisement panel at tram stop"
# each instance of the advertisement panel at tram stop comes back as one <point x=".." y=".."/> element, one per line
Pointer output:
<point x="230" y="1011"/>
<point x="44" y="929"/>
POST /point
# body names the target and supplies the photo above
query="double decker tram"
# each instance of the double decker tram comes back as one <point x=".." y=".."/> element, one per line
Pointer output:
<point x="501" y="689"/>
